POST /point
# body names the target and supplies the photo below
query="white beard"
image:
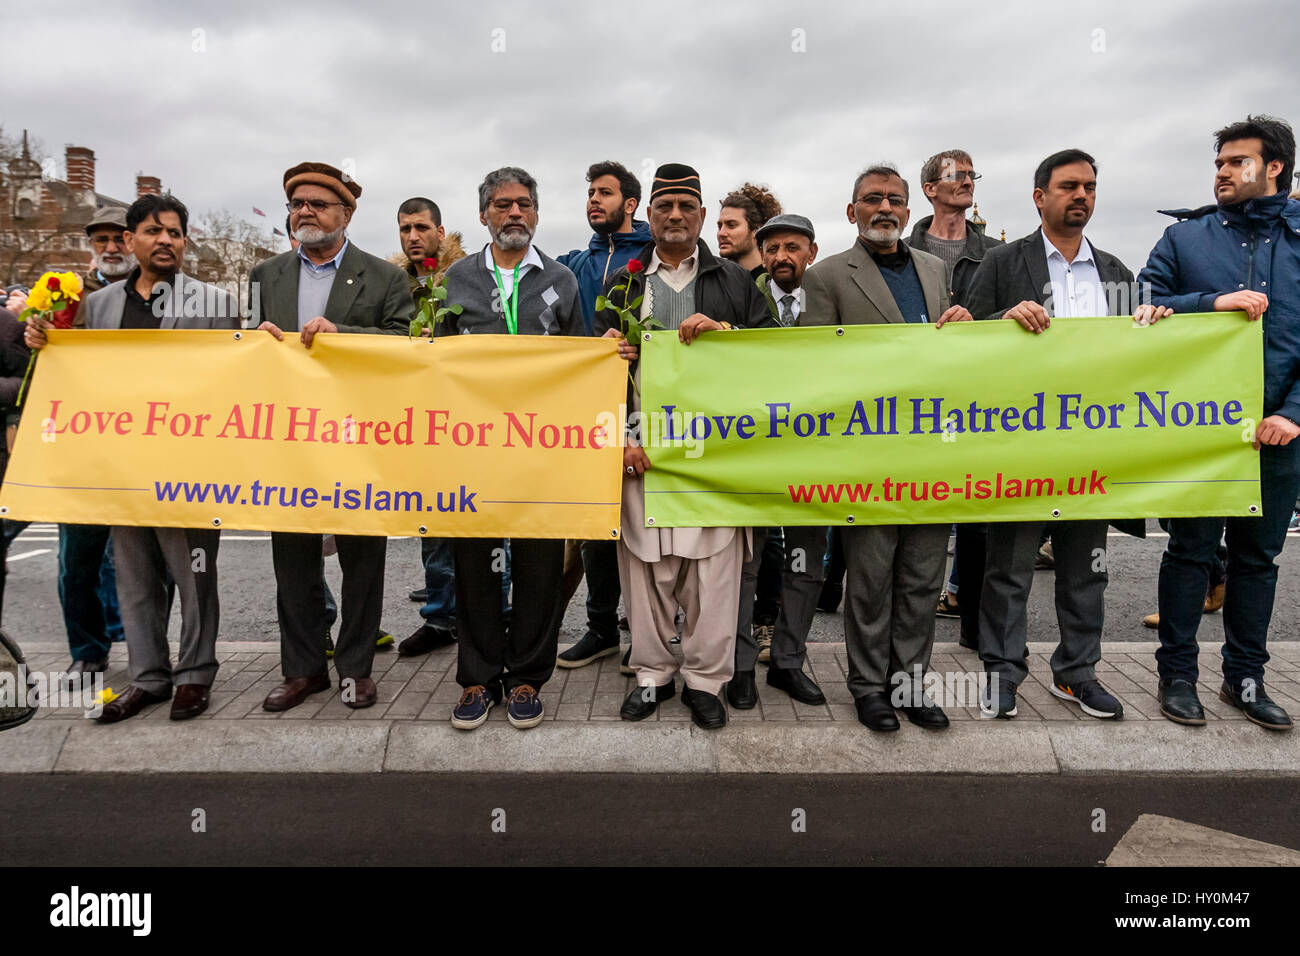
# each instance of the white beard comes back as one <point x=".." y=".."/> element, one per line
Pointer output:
<point x="113" y="270"/>
<point x="312" y="236"/>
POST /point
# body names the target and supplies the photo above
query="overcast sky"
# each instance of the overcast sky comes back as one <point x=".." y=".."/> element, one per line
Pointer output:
<point x="218" y="99"/>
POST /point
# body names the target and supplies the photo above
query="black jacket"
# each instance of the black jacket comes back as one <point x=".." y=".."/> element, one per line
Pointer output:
<point x="1017" y="272"/>
<point x="724" y="291"/>
<point x="963" y="273"/>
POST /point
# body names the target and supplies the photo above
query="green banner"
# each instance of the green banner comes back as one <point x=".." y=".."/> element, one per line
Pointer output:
<point x="975" y="421"/>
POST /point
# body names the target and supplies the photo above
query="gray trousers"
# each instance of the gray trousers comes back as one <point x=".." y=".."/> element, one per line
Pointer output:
<point x="894" y="576"/>
<point x="144" y="558"/>
<point x="1080" y="551"/>
<point x="801" y="585"/>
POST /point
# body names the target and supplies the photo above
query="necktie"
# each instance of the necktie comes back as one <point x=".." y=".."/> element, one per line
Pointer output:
<point x="787" y="310"/>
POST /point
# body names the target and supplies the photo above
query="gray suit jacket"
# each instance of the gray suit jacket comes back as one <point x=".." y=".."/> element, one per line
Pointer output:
<point x="368" y="294"/>
<point x="186" y="303"/>
<point x="848" y="289"/>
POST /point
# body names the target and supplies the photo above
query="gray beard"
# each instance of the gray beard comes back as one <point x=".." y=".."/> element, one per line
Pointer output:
<point x="883" y="237"/>
<point x="111" y="270"/>
<point x="313" y="236"/>
<point x="512" y="240"/>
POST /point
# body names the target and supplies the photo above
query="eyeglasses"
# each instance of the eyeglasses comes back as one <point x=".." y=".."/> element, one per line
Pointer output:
<point x="504" y="205"/>
<point x="958" y="176"/>
<point x="103" y="242"/>
<point x="317" y="205"/>
<point x="875" y="199"/>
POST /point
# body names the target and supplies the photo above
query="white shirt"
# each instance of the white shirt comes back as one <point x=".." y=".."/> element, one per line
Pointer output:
<point x="676" y="279"/>
<point x="1076" y="285"/>
<point x="531" y="260"/>
<point x="778" y="293"/>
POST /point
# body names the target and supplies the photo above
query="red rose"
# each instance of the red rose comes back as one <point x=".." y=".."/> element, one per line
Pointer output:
<point x="430" y="263"/>
<point x="52" y="284"/>
<point x="634" y="266"/>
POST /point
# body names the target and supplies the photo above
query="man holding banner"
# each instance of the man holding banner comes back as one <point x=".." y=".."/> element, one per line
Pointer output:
<point x="158" y="295"/>
<point x="895" y="572"/>
<point x="510" y="288"/>
<point x="1052" y="272"/>
<point x="687" y="290"/>
<point x="325" y="287"/>
<point x="788" y="246"/>
<point x="1242" y="254"/>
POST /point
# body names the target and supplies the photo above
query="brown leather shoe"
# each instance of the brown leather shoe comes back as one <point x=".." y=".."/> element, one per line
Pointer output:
<point x="363" y="694"/>
<point x="190" y="701"/>
<point x="129" y="704"/>
<point x="294" y="691"/>
<point x="1214" y="599"/>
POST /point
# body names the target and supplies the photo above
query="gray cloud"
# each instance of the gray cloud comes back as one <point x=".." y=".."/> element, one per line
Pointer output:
<point x="415" y="96"/>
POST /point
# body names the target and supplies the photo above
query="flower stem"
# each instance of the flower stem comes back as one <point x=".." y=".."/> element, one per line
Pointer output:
<point x="27" y="376"/>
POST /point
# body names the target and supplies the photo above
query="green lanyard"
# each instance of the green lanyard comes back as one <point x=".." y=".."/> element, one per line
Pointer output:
<point x="509" y="305"/>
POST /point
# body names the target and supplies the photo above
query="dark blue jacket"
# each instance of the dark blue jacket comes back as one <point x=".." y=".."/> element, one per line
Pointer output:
<point x="1254" y="245"/>
<point x="603" y="256"/>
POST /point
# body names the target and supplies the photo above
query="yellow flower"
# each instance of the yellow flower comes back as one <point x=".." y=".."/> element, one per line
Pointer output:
<point x="39" y="298"/>
<point x="70" y="285"/>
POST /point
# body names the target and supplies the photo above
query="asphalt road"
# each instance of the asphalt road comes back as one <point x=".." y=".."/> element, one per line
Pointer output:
<point x="618" y="819"/>
<point x="248" y="592"/>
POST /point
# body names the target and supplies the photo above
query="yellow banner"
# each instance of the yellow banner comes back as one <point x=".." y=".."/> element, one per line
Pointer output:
<point x="470" y="436"/>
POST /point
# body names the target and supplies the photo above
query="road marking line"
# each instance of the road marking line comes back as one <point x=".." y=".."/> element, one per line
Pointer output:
<point x="29" y="554"/>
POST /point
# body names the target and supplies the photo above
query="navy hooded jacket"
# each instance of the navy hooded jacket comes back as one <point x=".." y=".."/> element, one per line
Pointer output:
<point x="603" y="256"/>
<point x="1254" y="245"/>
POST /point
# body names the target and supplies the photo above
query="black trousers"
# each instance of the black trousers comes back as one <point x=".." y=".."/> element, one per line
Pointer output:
<point x="300" y="602"/>
<point x="969" y="556"/>
<point x="492" y="653"/>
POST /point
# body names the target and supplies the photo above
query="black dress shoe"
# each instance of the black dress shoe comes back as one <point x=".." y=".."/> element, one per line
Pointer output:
<point x="644" y="701"/>
<point x="930" y="716"/>
<point x="706" y="709"/>
<point x="130" y="704"/>
<point x="1178" y="702"/>
<point x="876" y="712"/>
<point x="425" y="639"/>
<point x="796" y="683"/>
<point x="1259" y="710"/>
<point x="420" y="597"/>
<point x="742" y="693"/>
<point x="591" y="648"/>
<point x="190" y="701"/>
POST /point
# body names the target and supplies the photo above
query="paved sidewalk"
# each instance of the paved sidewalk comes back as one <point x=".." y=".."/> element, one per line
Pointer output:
<point x="409" y="730"/>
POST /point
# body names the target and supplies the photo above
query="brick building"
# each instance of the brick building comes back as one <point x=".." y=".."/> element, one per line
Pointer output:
<point x="43" y="223"/>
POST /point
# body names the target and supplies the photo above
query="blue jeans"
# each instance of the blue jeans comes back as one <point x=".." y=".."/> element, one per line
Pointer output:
<point x="439" y="608"/>
<point x="1253" y="543"/>
<point x="88" y="591"/>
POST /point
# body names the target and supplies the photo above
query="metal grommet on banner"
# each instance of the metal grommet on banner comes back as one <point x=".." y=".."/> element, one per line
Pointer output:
<point x="613" y="532"/>
<point x="650" y="522"/>
<point x="216" y="522"/>
<point x="849" y="519"/>
<point x="1254" y="509"/>
<point x="4" y="510"/>
<point x="1056" y="512"/>
<point x="238" y="336"/>
<point x="839" y="331"/>
<point x="424" y="529"/>
<point x="645" y="336"/>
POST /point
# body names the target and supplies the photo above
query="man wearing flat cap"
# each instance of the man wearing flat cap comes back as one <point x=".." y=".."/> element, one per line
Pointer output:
<point x="689" y="291"/>
<point x="324" y="287"/>
<point x="787" y="245"/>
